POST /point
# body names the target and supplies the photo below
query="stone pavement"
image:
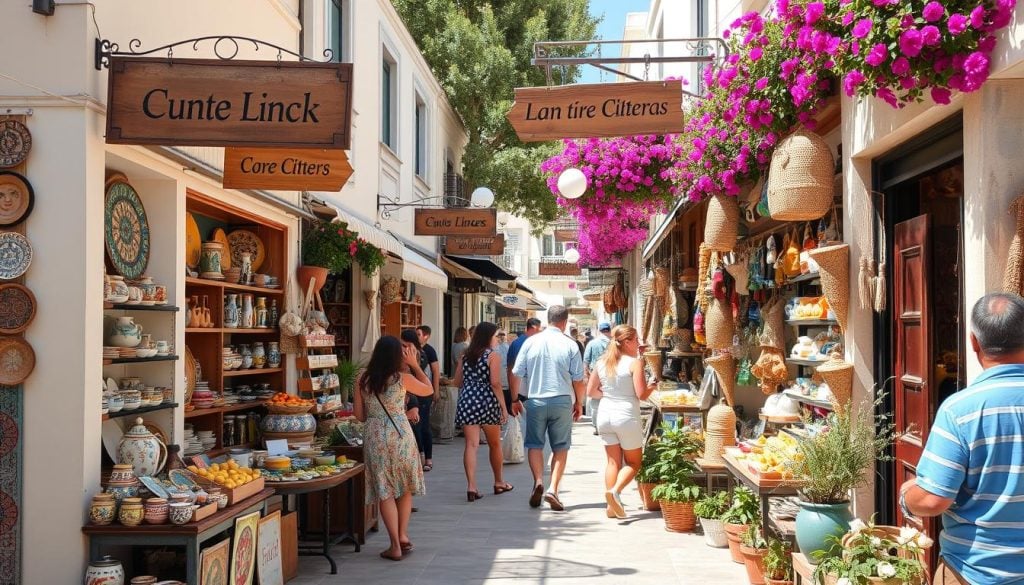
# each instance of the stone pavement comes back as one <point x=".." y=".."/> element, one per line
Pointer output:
<point x="500" y="539"/>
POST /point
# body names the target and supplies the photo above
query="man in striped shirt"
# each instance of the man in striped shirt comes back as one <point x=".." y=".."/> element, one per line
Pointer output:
<point x="970" y="471"/>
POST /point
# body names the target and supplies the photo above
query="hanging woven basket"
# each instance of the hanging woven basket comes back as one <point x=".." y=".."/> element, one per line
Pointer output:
<point x="801" y="178"/>
<point x="722" y="223"/>
<point x="834" y="268"/>
<point x="719" y="325"/>
<point x="838" y="374"/>
<point x="724" y="366"/>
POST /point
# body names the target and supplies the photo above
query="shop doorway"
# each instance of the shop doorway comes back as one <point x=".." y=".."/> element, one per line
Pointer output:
<point x="920" y="337"/>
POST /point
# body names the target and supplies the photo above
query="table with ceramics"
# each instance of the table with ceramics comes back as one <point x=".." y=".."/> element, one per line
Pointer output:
<point x="191" y="535"/>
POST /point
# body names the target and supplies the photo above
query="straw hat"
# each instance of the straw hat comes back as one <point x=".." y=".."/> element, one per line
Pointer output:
<point x="834" y="267"/>
<point x="718" y="325"/>
<point x="722" y="223"/>
<point x="838" y="374"/>
<point x="725" y="366"/>
<point x="721" y="432"/>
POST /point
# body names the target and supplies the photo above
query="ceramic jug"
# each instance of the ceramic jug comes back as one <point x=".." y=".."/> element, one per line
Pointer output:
<point x="273" y="354"/>
<point x="209" y="262"/>
<point x="246" y="353"/>
<point x="262" y="315"/>
<point x="118" y="289"/>
<point x="125" y="333"/>
<point x="106" y="571"/>
<point x="140" y="448"/>
<point x="194" y="312"/>
<point x="248" y="320"/>
<point x="207" y="316"/>
<point x="259" y="355"/>
<point x="231" y="316"/>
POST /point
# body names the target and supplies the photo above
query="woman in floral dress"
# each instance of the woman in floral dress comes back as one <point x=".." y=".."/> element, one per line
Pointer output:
<point x="392" y="461"/>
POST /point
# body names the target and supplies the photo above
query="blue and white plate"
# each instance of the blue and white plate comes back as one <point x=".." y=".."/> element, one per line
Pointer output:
<point x="15" y="255"/>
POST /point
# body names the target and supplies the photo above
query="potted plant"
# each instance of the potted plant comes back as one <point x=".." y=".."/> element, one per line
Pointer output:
<point x="710" y="510"/>
<point x="753" y="547"/>
<point x="348" y="372"/>
<point x="743" y="512"/>
<point x="648" y="477"/>
<point x="830" y="465"/>
<point x="677" y="498"/>
<point x="778" y="563"/>
<point x="876" y="554"/>
<point x="326" y="247"/>
<point x="677" y="450"/>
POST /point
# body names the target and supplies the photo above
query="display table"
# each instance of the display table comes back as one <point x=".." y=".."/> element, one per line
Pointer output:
<point x="712" y="470"/>
<point x="324" y="485"/>
<point x="803" y="570"/>
<point x="659" y="412"/>
<point x="191" y="535"/>
<point x="764" y="488"/>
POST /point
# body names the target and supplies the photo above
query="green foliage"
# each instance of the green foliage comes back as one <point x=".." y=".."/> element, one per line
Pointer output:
<point x="326" y="245"/>
<point x="752" y="537"/>
<point x="712" y="506"/>
<point x="678" y="490"/>
<point x="348" y="372"/>
<point x="480" y="51"/>
<point x="745" y="509"/>
<point x="370" y="258"/>
<point x="871" y="553"/>
<point x="670" y="458"/>
<point x="778" y="561"/>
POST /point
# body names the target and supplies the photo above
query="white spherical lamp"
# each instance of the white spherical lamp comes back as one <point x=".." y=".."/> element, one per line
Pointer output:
<point x="482" y="197"/>
<point x="572" y="256"/>
<point x="572" y="183"/>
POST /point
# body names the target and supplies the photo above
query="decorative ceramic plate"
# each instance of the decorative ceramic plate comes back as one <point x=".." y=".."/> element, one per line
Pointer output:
<point x="16" y="198"/>
<point x="15" y="142"/>
<point x="245" y="241"/>
<point x="17" y="308"/>
<point x="111" y="432"/>
<point x="17" y="360"/>
<point x="181" y="479"/>
<point x="15" y="255"/>
<point x="219" y="235"/>
<point x="193" y="242"/>
<point x="126" y="230"/>
<point x="190" y="375"/>
<point x="154" y="486"/>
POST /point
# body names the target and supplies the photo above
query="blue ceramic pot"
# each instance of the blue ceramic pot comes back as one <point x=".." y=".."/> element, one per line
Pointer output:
<point x="288" y="423"/>
<point x="816" y="522"/>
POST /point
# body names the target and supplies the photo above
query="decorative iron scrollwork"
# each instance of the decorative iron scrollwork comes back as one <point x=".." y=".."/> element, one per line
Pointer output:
<point x="225" y="47"/>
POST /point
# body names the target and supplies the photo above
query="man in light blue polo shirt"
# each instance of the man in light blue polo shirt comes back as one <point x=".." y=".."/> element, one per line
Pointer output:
<point x="971" y="469"/>
<point x="551" y="367"/>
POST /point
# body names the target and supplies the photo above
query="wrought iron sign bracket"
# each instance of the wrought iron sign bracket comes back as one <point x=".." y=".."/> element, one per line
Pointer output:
<point x="225" y="47"/>
<point x="386" y="206"/>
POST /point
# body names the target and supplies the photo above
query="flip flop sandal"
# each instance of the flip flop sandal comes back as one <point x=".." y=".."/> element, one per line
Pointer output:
<point x="407" y="547"/>
<point x="427" y="467"/>
<point x="500" y="489"/>
<point x="554" y="502"/>
<point x="535" y="497"/>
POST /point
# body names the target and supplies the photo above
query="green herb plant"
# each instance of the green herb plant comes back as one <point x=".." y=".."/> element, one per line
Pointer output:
<point x="677" y="450"/>
<point x="745" y="508"/>
<point x="778" y="560"/>
<point x="752" y="538"/>
<point x="712" y="506"/>
<point x="348" y="372"/>
<point x="869" y="553"/>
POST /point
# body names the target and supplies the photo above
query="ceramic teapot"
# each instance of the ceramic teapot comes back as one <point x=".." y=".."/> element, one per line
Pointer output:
<point x="125" y="333"/>
<point x="142" y="450"/>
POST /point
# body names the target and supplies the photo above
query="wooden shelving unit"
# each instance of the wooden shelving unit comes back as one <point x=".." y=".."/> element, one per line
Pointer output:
<point x="401" y="315"/>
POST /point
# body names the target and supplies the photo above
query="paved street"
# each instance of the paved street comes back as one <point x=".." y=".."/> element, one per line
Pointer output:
<point x="499" y="539"/>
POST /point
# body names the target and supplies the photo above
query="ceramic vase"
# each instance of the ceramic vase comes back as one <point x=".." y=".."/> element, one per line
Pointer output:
<point x="103" y="509"/>
<point x="156" y="511"/>
<point x="131" y="512"/>
<point x="259" y="356"/>
<point x="273" y="354"/>
<point x="262" y="315"/>
<point x="118" y="289"/>
<point x="231" y="313"/>
<point x="106" y="571"/>
<point x="143" y="450"/>
<point x="273" y="317"/>
<point x="246" y="353"/>
<point x="248" y="319"/>
<point x="148" y="288"/>
<point x="815" y="523"/>
<point x="125" y="333"/>
<point x="209" y="262"/>
<point x="246" y="276"/>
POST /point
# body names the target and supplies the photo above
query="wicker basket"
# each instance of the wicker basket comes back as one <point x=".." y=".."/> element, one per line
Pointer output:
<point x="801" y="178"/>
<point x="838" y="374"/>
<point x="721" y="432"/>
<point x="390" y="290"/>
<point x="722" y="223"/>
<point x="655" y="361"/>
<point x="714" y="533"/>
<point x="650" y="504"/>
<point x="719" y="326"/>
<point x="293" y="409"/>
<point x="725" y="367"/>
<point x="773" y="334"/>
<point x="834" y="267"/>
<point x="678" y="516"/>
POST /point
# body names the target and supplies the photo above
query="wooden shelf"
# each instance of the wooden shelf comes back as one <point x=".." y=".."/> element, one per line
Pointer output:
<point x="202" y="330"/>
<point x="139" y="411"/>
<point x="264" y="331"/>
<point x="252" y="372"/>
<point x="138" y="360"/>
<point x="803" y="278"/>
<point x="233" y="287"/>
<point x="808" y="363"/>
<point x="808" y="400"/>
<point x="811" y="322"/>
<point x="224" y="409"/>
<point x="127" y="307"/>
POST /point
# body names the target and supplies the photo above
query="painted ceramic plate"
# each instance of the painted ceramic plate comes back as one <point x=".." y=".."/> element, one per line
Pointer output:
<point x="15" y="255"/>
<point x="126" y="230"/>
<point x="17" y="360"/>
<point x="111" y="433"/>
<point x="15" y="142"/>
<point x="191" y="375"/>
<point x="154" y="486"/>
<point x="219" y="235"/>
<point x="17" y="308"/>
<point x="245" y="241"/>
<point x="16" y="198"/>
<point x="180" y="478"/>
<point x="193" y="242"/>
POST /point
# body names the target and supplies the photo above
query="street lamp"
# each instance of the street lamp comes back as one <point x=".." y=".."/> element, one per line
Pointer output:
<point x="572" y="255"/>
<point x="481" y="197"/>
<point x="572" y="183"/>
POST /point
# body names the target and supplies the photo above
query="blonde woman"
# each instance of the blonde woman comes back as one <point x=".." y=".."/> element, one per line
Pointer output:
<point x="618" y="381"/>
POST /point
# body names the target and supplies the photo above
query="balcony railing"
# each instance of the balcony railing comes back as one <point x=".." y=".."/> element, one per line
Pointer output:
<point x="454" y="190"/>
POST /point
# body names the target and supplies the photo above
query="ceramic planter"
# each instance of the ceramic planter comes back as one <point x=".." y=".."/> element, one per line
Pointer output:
<point x="103" y="509"/>
<point x="732" y="534"/>
<point x="650" y="504"/>
<point x="753" y="560"/>
<point x="156" y="511"/>
<point x="181" y="513"/>
<point x="316" y="273"/>
<point x="768" y="581"/>
<point x="107" y="571"/>
<point x="131" y="512"/>
<point x="815" y="523"/>
<point x="142" y="450"/>
<point x="288" y="423"/>
<point x="125" y="333"/>
<point x="714" y="533"/>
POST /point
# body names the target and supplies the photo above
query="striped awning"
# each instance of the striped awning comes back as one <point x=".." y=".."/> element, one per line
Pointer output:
<point x="421" y="270"/>
<point x="369" y="232"/>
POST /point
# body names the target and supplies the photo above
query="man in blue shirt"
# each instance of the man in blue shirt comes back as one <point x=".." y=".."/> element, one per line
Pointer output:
<point x="593" y="352"/>
<point x="551" y="367"/>
<point x="970" y="471"/>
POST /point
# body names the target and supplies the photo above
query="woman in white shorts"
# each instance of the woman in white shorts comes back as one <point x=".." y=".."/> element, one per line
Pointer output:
<point x="618" y="380"/>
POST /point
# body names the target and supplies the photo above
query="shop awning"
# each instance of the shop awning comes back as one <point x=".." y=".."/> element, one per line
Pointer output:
<point x="522" y="299"/>
<point x="421" y="270"/>
<point x="370" y="232"/>
<point x="663" y="229"/>
<point x="484" y="267"/>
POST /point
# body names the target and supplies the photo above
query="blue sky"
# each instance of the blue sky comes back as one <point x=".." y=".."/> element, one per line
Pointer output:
<point x="614" y="13"/>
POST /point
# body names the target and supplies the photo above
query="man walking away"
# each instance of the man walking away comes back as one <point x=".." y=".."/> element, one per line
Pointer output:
<point x="591" y="354"/>
<point x="550" y="364"/>
<point x="970" y="471"/>
<point x="426" y="435"/>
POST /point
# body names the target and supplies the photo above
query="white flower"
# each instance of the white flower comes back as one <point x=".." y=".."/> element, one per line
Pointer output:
<point x="923" y="541"/>
<point x="876" y="542"/>
<point x="857" y="526"/>
<point x="907" y="534"/>
<point x="885" y="570"/>
<point x="843" y="581"/>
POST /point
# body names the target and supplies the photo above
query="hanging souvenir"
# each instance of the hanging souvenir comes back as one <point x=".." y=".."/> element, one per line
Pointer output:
<point x="791" y="254"/>
<point x="16" y="198"/>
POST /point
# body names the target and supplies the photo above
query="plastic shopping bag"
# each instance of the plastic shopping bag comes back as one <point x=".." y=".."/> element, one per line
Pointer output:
<point x="512" y="447"/>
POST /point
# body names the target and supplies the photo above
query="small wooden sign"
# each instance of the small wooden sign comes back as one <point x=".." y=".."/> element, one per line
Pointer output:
<point x="286" y="169"/>
<point x="566" y="235"/>
<point x="212" y="102"/>
<point x="558" y="269"/>
<point x="579" y="310"/>
<point x="456" y="222"/>
<point x="596" y="110"/>
<point x="463" y="246"/>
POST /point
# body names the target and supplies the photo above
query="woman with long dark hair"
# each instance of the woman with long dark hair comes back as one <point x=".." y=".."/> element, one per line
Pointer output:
<point x="481" y="405"/>
<point x="421" y="425"/>
<point x="393" y="465"/>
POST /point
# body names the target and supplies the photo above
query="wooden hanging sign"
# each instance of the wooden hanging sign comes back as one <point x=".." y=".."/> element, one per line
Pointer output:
<point x="213" y="102"/>
<point x="286" y="169"/>
<point x="463" y="246"/>
<point x="566" y="235"/>
<point x="597" y="110"/>
<point x="464" y="221"/>
<point x="558" y="269"/>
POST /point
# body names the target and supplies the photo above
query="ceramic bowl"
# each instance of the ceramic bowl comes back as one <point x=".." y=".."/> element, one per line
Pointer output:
<point x="145" y="353"/>
<point x="325" y="459"/>
<point x="115" y="404"/>
<point x="180" y="513"/>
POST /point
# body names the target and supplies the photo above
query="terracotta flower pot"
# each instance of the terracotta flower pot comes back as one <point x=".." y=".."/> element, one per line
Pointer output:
<point x="733" y="533"/>
<point x="753" y="560"/>
<point x="304" y="273"/>
<point x="768" y="581"/>
<point x="650" y="504"/>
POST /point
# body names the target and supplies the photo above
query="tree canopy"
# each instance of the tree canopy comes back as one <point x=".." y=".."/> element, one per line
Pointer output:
<point x="480" y="51"/>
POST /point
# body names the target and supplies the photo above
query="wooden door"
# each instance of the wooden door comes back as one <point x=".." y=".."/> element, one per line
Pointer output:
<point x="915" y="396"/>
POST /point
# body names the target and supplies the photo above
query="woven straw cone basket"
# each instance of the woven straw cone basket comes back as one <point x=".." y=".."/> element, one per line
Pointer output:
<point x="654" y="359"/>
<point x="834" y="267"/>
<point x="718" y="325"/>
<point x="800" y="180"/>
<point x="645" y="286"/>
<point x="721" y="432"/>
<point x="722" y="223"/>
<point x="725" y="366"/>
<point x="773" y="334"/>
<point x="838" y="374"/>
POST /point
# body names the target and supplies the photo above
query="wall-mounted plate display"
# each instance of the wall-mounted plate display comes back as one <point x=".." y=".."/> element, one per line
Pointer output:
<point x="17" y="308"/>
<point x="126" y="230"/>
<point x="16" y="198"/>
<point x="15" y="255"/>
<point x="193" y="242"/>
<point x="17" y="360"/>
<point x="245" y="241"/>
<point x="15" y="142"/>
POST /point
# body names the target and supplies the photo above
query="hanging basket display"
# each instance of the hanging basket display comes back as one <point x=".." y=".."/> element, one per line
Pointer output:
<point x="390" y="290"/>
<point x="721" y="432"/>
<point x="800" y="180"/>
<point x="834" y="267"/>
<point x="724" y="366"/>
<point x="719" y="325"/>
<point x="838" y="374"/>
<point x="722" y="223"/>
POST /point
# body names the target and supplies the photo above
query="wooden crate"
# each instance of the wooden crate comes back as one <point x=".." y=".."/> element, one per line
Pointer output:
<point x="205" y="511"/>
<point x="252" y="488"/>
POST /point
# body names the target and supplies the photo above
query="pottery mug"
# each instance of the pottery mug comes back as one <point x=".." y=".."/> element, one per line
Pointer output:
<point x="134" y="294"/>
<point x="160" y="294"/>
<point x="162" y="347"/>
<point x="147" y="341"/>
